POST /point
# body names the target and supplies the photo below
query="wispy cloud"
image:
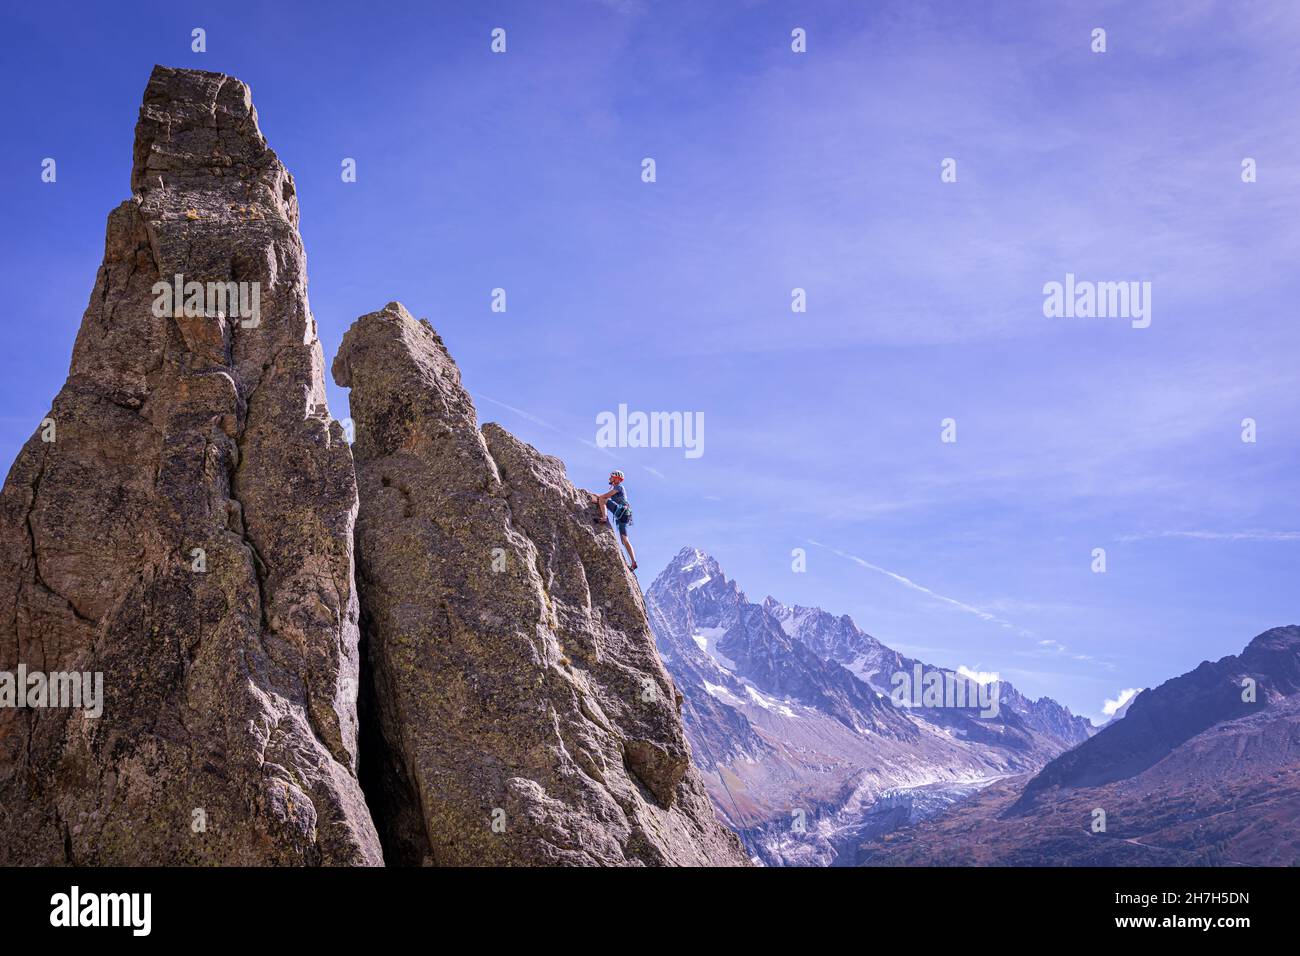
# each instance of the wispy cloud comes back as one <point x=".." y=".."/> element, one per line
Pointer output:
<point x="1059" y="648"/>
<point x="909" y="583"/>
<point x="623" y="6"/>
<point x="1214" y="535"/>
<point x="537" y="420"/>
<point x="529" y="416"/>
<point x="983" y="614"/>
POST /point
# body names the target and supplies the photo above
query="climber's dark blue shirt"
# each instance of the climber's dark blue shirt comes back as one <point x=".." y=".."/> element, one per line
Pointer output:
<point x="618" y="501"/>
<point x="618" y="497"/>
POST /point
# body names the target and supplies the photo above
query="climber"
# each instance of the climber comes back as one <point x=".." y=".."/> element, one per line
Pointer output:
<point x="617" y="502"/>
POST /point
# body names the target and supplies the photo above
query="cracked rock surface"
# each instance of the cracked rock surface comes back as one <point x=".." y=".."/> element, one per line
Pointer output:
<point x="518" y="709"/>
<point x="188" y="534"/>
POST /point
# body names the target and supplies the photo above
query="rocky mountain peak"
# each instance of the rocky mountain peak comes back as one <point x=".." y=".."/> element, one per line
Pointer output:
<point x="692" y="565"/>
<point x="185" y="533"/>
<point x="1273" y="655"/>
<point x="195" y="126"/>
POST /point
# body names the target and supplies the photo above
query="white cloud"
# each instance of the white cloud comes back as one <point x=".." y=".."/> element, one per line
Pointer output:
<point x="979" y="677"/>
<point x="1111" y="707"/>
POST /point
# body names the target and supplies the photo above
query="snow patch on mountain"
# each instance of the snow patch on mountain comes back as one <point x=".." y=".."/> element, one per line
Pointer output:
<point x="795" y="713"/>
<point x="706" y="638"/>
<point x="768" y="703"/>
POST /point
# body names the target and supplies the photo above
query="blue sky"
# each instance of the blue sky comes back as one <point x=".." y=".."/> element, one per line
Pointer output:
<point x="778" y="170"/>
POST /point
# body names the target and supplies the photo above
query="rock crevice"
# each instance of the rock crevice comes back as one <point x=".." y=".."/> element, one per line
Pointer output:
<point x="522" y="715"/>
<point x="186" y="533"/>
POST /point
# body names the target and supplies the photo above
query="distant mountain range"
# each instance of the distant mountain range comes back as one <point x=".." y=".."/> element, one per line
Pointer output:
<point x="792" y="717"/>
<point x="1202" y="770"/>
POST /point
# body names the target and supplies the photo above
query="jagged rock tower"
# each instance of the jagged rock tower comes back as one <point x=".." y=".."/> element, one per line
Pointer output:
<point x="188" y="533"/>
<point x="182" y="525"/>
<point x="521" y="713"/>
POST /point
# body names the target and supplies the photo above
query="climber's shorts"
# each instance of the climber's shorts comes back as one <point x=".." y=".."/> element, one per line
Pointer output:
<point x="622" y="527"/>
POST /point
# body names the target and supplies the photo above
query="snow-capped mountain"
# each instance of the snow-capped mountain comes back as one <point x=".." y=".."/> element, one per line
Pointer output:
<point x="840" y="640"/>
<point x="790" y="719"/>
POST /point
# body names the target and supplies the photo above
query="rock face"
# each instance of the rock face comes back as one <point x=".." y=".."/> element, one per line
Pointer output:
<point x="521" y="714"/>
<point x="188" y="534"/>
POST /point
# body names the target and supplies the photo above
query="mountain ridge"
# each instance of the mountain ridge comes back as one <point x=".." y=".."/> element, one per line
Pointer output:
<point x="1195" y="774"/>
<point x="1164" y="717"/>
<point x="789" y="714"/>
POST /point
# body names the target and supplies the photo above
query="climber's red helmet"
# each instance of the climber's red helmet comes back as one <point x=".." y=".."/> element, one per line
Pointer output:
<point x="615" y="477"/>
